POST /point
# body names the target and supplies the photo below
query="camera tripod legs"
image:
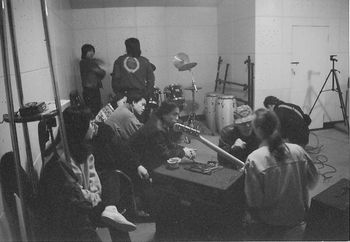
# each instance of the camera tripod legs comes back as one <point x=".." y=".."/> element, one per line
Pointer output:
<point x="338" y="90"/>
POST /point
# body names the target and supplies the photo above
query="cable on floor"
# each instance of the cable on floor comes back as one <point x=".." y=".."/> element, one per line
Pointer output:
<point x="320" y="159"/>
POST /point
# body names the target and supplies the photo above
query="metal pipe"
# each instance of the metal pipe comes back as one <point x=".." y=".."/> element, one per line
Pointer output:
<point x="30" y="165"/>
<point x="62" y="129"/>
<point x="252" y="86"/>
<point x="11" y="115"/>
<point x="196" y="134"/>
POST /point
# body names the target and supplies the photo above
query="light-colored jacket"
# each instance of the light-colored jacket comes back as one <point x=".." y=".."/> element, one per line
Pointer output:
<point x="278" y="190"/>
<point x="124" y="122"/>
<point x="88" y="179"/>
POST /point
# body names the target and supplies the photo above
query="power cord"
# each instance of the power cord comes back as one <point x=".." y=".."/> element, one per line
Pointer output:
<point x="321" y="160"/>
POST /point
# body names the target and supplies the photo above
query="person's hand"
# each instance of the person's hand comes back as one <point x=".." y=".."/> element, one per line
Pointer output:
<point x="190" y="153"/>
<point x="239" y="143"/>
<point x="143" y="173"/>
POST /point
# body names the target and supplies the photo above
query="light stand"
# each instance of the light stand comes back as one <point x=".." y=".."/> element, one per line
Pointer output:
<point x="333" y="72"/>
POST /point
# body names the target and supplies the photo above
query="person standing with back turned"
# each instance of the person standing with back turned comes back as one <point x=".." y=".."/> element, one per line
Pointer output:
<point x="278" y="176"/>
<point x="133" y="73"/>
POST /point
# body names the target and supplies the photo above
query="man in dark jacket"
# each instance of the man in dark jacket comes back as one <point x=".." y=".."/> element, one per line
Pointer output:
<point x="91" y="75"/>
<point x="111" y="153"/>
<point x="294" y="123"/>
<point x="238" y="138"/>
<point x="154" y="145"/>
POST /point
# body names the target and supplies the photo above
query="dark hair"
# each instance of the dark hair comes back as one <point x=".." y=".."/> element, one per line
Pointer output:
<point x="269" y="125"/>
<point x="77" y="122"/>
<point x="165" y="108"/>
<point x="134" y="97"/>
<point x="271" y="100"/>
<point x="133" y="48"/>
<point x="118" y="96"/>
<point x="85" y="49"/>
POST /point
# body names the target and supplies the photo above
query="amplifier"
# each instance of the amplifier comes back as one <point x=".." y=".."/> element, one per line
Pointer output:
<point x="328" y="217"/>
<point x="195" y="206"/>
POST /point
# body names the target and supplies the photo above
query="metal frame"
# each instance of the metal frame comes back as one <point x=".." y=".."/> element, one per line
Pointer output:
<point x="26" y="233"/>
<point x="11" y="114"/>
<point x="249" y="86"/>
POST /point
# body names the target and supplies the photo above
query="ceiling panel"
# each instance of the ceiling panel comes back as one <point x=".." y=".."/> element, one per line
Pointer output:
<point x="80" y="4"/>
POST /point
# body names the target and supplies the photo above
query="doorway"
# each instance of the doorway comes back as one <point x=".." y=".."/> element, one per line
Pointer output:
<point x="310" y="50"/>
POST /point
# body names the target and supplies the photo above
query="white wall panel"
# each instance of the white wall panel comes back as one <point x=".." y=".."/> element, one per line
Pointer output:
<point x="153" y="40"/>
<point x="89" y="18"/>
<point x="268" y="7"/>
<point x="115" y="42"/>
<point x="191" y="16"/>
<point x="150" y="16"/>
<point x="268" y="35"/>
<point x="119" y="17"/>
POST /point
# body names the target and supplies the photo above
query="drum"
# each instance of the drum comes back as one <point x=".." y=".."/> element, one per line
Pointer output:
<point x="225" y="105"/>
<point x="210" y="110"/>
<point x="173" y="92"/>
<point x="154" y="99"/>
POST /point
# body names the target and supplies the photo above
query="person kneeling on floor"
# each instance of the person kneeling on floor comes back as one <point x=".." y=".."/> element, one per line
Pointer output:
<point x="238" y="139"/>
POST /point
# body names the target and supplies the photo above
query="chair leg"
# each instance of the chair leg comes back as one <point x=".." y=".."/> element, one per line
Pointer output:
<point x="117" y="235"/>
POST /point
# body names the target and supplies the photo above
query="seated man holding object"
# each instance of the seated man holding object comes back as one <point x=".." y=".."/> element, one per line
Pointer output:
<point x="238" y="138"/>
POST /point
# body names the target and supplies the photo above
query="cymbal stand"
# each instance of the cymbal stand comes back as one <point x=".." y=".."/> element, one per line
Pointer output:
<point x="337" y="89"/>
<point x="192" y="118"/>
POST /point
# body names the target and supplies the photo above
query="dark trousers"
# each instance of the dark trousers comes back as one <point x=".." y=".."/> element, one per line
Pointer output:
<point x="110" y="196"/>
<point x="92" y="99"/>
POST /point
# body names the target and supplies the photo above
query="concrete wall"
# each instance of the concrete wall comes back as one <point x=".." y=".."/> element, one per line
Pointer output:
<point x="163" y="31"/>
<point x="35" y="73"/>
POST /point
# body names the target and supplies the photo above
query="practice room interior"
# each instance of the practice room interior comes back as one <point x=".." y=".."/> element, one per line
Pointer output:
<point x="289" y="45"/>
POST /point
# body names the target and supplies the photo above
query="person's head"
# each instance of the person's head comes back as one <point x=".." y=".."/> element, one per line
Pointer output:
<point x="243" y="117"/>
<point x="137" y="103"/>
<point x="266" y="126"/>
<point x="271" y="101"/>
<point x="87" y="51"/>
<point x="168" y="112"/>
<point x="133" y="48"/>
<point x="118" y="100"/>
<point x="79" y="130"/>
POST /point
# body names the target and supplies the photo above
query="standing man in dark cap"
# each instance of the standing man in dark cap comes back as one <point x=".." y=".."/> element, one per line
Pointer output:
<point x="294" y="123"/>
<point x="133" y="73"/>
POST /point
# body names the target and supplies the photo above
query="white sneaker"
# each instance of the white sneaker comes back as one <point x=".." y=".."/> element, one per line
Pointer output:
<point x="111" y="217"/>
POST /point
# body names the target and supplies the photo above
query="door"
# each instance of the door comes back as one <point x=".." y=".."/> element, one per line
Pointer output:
<point x="310" y="49"/>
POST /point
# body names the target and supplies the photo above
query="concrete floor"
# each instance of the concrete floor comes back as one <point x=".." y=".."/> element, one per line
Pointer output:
<point x="329" y="149"/>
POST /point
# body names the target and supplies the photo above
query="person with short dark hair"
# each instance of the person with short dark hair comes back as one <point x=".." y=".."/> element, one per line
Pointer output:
<point x="91" y="75"/>
<point x="238" y="138"/>
<point x="124" y="120"/>
<point x="152" y="142"/>
<point x="133" y="72"/>
<point x="153" y="145"/>
<point x="278" y="176"/>
<point x="294" y="123"/>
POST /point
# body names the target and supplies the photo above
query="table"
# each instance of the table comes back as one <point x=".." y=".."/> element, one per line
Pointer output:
<point x="195" y="206"/>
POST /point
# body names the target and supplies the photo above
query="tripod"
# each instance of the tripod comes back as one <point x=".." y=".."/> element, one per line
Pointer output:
<point x="333" y="72"/>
